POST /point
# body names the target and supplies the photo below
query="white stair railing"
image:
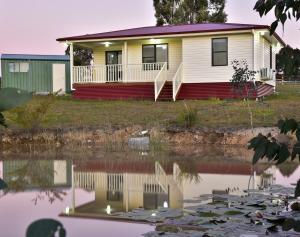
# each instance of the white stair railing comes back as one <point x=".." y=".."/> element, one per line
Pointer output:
<point x="161" y="177"/>
<point x="160" y="80"/>
<point x="177" y="81"/>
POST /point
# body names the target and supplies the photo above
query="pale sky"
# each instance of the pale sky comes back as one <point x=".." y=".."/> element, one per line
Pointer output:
<point x="32" y="26"/>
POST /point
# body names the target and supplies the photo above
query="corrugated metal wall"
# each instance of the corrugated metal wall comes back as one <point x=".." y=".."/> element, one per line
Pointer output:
<point x="37" y="79"/>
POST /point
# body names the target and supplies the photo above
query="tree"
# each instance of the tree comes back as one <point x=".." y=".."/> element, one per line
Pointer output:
<point x="243" y="83"/>
<point x="268" y="147"/>
<point x="288" y="59"/>
<point x="172" y="12"/>
<point x="283" y="9"/>
<point x="82" y="56"/>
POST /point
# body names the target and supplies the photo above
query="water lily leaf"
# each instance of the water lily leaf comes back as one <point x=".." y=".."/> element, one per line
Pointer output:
<point x="3" y="185"/>
<point x="233" y="213"/>
<point x="288" y="224"/>
<point x="12" y="97"/>
<point x="45" y="227"/>
<point x="208" y="214"/>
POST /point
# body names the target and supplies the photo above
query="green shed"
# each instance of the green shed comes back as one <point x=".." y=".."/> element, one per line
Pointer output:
<point x="36" y="73"/>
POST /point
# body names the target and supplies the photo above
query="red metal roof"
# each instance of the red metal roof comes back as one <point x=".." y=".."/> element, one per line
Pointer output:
<point x="169" y="30"/>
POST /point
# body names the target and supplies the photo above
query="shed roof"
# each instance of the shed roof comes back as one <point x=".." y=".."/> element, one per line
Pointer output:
<point x="169" y="30"/>
<point x="36" y="57"/>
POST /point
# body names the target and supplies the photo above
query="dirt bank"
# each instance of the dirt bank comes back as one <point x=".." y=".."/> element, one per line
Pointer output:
<point x="91" y="136"/>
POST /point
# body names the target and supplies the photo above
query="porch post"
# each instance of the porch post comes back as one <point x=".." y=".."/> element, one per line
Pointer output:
<point x="71" y="64"/>
<point x="125" y="61"/>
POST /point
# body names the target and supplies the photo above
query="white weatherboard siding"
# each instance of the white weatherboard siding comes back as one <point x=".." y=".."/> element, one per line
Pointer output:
<point x="197" y="57"/>
<point x="196" y="54"/>
<point x="135" y="53"/>
<point x="266" y="52"/>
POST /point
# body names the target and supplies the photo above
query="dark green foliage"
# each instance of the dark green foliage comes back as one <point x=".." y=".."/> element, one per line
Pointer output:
<point x="288" y="59"/>
<point x="297" y="190"/>
<point x="208" y="214"/>
<point x="2" y="120"/>
<point x="233" y="213"/>
<point x="243" y="79"/>
<point x="290" y="224"/>
<point x="283" y="10"/>
<point x="82" y="56"/>
<point x="45" y="227"/>
<point x="3" y="185"/>
<point x="268" y="147"/>
<point x="172" y="12"/>
<point x="11" y="98"/>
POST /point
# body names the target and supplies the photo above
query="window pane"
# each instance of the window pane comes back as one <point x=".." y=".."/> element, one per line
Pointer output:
<point x="14" y="67"/>
<point x="220" y="59"/>
<point x="24" y="67"/>
<point x="148" y="51"/>
<point x="162" y="53"/>
<point x="148" y="60"/>
<point x="219" y="45"/>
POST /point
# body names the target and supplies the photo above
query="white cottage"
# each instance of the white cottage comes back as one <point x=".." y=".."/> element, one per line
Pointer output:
<point x="174" y="62"/>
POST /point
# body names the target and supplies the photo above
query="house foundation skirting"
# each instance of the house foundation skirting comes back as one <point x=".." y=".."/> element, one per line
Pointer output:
<point x="145" y="91"/>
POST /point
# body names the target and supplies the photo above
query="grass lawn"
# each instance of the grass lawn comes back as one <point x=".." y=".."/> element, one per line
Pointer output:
<point x="213" y="113"/>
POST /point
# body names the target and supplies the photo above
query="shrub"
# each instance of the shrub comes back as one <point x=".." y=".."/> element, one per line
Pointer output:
<point x="188" y="117"/>
<point x="33" y="114"/>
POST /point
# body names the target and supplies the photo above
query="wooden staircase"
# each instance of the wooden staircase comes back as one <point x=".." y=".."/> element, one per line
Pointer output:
<point x="166" y="93"/>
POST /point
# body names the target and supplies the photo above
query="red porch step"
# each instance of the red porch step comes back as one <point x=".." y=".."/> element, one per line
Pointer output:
<point x="166" y="93"/>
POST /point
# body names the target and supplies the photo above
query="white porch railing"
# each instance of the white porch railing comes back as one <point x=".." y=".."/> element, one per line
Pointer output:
<point x="177" y="81"/>
<point x="146" y="72"/>
<point x="160" y="80"/>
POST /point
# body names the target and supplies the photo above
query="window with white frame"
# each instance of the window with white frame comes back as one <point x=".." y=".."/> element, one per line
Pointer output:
<point x="220" y="52"/>
<point x="155" y="53"/>
<point x="18" y="67"/>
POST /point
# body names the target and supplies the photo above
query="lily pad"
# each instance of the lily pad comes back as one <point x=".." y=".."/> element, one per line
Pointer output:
<point x="233" y="213"/>
<point x="208" y="214"/>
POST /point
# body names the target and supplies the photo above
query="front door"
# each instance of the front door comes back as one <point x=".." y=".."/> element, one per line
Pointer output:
<point x="113" y="66"/>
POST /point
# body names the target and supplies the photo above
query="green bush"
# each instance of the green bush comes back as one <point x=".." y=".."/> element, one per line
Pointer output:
<point x="33" y="114"/>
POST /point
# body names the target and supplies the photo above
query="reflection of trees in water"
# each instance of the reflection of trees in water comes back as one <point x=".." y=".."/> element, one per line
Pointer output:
<point x="33" y="174"/>
<point x="288" y="169"/>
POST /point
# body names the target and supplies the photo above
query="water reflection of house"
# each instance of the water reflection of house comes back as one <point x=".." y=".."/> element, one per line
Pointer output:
<point x="121" y="186"/>
<point x="125" y="186"/>
<point x="24" y="174"/>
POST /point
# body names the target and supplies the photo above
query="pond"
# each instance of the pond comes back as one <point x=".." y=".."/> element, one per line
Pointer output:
<point x="87" y="189"/>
